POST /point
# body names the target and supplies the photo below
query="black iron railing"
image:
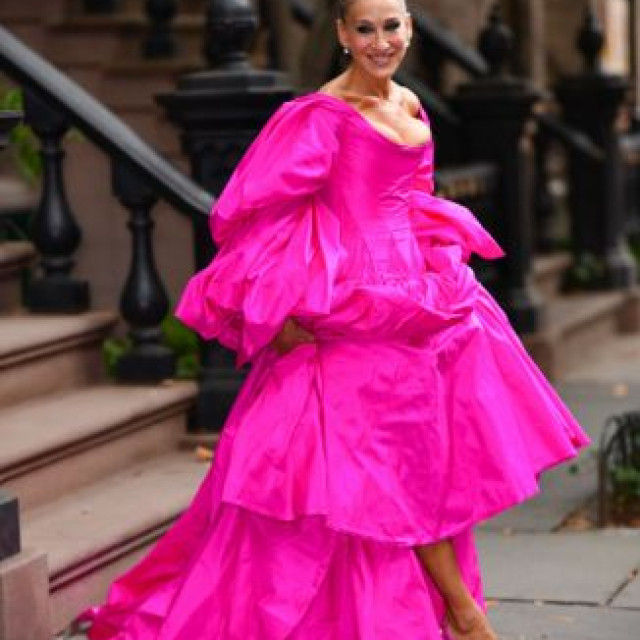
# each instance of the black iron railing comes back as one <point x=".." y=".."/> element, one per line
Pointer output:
<point x="53" y="103"/>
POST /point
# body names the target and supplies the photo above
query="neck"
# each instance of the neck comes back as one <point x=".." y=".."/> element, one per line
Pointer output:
<point x="365" y="85"/>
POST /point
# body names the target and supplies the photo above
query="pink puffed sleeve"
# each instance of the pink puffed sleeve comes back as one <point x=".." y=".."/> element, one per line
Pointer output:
<point x="277" y="242"/>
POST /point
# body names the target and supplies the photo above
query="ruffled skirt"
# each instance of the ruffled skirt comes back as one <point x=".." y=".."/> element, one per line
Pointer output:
<point x="339" y="458"/>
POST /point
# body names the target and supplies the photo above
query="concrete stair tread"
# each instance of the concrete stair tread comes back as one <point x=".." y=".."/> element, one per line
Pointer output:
<point x="15" y="255"/>
<point x="551" y="263"/>
<point x="570" y="311"/>
<point x="547" y="273"/>
<point x="37" y="429"/>
<point x="85" y="524"/>
<point x="580" y="326"/>
<point x="24" y="336"/>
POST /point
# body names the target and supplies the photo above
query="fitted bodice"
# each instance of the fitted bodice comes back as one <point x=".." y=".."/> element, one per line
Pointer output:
<point x="370" y="186"/>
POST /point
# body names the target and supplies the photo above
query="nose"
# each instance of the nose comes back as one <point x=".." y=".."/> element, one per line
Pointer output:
<point x="381" y="41"/>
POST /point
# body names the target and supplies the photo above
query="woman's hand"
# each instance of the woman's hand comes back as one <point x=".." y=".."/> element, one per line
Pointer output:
<point x="291" y="335"/>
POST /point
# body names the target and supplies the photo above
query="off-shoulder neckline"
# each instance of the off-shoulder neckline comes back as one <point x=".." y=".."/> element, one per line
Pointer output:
<point x="359" y="116"/>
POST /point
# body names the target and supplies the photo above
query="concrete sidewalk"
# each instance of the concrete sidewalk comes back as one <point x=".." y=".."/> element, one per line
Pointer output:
<point x="563" y="586"/>
<point x="544" y="582"/>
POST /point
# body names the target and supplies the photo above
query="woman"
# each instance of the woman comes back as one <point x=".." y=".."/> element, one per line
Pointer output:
<point x="389" y="407"/>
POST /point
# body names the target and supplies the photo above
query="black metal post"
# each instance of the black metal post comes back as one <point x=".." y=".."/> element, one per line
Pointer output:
<point x="144" y="302"/>
<point x="54" y="231"/>
<point x="495" y="111"/>
<point x="220" y="111"/>
<point x="591" y="102"/>
<point x="160" y="40"/>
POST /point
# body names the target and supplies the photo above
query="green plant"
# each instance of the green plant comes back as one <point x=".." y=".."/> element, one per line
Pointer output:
<point x="625" y="494"/>
<point x="626" y="481"/>
<point x="182" y="341"/>
<point x="24" y="144"/>
<point x="185" y="345"/>
<point x="587" y="273"/>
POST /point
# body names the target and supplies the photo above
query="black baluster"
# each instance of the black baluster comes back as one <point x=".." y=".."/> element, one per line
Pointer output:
<point x="101" y="6"/>
<point x="144" y="302"/>
<point x="54" y="230"/>
<point x="219" y="111"/>
<point x="160" y="40"/>
<point x="496" y="44"/>
<point x="591" y="102"/>
<point x="591" y="41"/>
<point x="495" y="112"/>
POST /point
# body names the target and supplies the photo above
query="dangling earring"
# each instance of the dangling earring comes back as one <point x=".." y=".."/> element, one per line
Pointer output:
<point x="347" y="51"/>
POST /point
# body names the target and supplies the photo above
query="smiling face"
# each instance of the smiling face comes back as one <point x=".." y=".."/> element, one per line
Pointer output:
<point x="377" y="34"/>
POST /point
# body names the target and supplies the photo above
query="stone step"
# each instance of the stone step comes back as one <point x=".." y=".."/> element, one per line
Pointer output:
<point x="580" y="324"/>
<point x="548" y="272"/>
<point x="15" y="257"/>
<point x="119" y="36"/>
<point x="133" y="84"/>
<point x="96" y="533"/>
<point x="41" y="354"/>
<point x="63" y="441"/>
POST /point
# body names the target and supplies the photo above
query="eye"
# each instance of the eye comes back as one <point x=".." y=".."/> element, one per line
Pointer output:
<point x="392" y="25"/>
<point x="364" y="29"/>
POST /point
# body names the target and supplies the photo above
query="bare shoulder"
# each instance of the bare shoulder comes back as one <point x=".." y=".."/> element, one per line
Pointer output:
<point x="411" y="100"/>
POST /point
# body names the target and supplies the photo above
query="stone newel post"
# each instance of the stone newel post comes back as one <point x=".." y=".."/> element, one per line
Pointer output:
<point x="219" y="111"/>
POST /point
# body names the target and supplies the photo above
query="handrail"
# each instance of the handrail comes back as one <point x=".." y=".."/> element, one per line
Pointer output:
<point x="100" y="125"/>
<point x="448" y="44"/>
<point x="571" y="138"/>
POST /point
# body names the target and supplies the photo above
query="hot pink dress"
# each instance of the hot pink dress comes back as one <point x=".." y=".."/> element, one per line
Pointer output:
<point x="415" y="415"/>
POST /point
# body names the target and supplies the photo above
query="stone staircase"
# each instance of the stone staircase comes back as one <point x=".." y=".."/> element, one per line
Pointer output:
<point x="100" y="470"/>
